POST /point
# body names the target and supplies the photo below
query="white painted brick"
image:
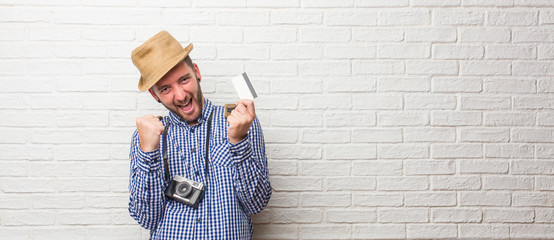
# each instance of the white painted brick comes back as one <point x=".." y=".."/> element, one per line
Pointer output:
<point x="376" y="135"/>
<point x="426" y="167"/>
<point x="402" y="84"/>
<point x="404" y="18"/>
<point x="532" y="34"/>
<point x="28" y="185"/>
<point x="361" y="17"/>
<point x="284" y="199"/>
<point x="435" y="134"/>
<point x="27" y="217"/>
<point x="12" y="101"/>
<point x="299" y="215"/>
<point x="57" y="136"/>
<point x="456" y="215"/>
<point x="296" y="86"/>
<point x="533" y="102"/>
<point x="432" y="67"/>
<point x="484" y="134"/>
<point x="325" y="68"/>
<point x="242" y="18"/>
<point x="26" y="50"/>
<point x="119" y="232"/>
<point x="510" y="52"/>
<point x="348" y="119"/>
<point x="512" y="18"/>
<point x="546" y="16"/>
<point x="392" y="3"/>
<point x="435" y="3"/>
<point x="544" y="215"/>
<point x="349" y="84"/>
<point x="107" y="169"/>
<point x="296" y="17"/>
<point x="456" y="16"/>
<point x="219" y="4"/>
<point x="377" y="67"/>
<point x="169" y="3"/>
<point x="455" y="118"/>
<point x="485" y="198"/>
<point x="484" y="35"/>
<point x="403" y="151"/>
<point x="531" y="231"/>
<point x="483" y="231"/>
<point x="324" y="34"/>
<point x="98" y="16"/>
<point x="350" y="183"/>
<point x="17" y="232"/>
<point x="283" y="151"/>
<point x="508" y="215"/>
<point x="242" y="52"/>
<point x="53" y="67"/>
<point x="81" y="152"/>
<point x="273" y="4"/>
<point x="402" y="183"/>
<point x="350" y="152"/>
<point x="348" y="215"/>
<point x="430" y="101"/>
<point x="94" y="200"/>
<point x="434" y="231"/>
<point x="485" y="68"/>
<point x="395" y="51"/>
<point x="528" y="167"/>
<point x="274" y="231"/>
<point x="327" y="3"/>
<point x="509" y="119"/>
<point x="489" y="3"/>
<point x="430" y="199"/>
<point x="13" y="32"/>
<point x="325" y="199"/>
<point x="325" y="231"/>
<point x="509" y="151"/>
<point x="296" y="183"/>
<point x="351" y="52"/>
<point x="526" y="135"/>
<point x="532" y="199"/>
<point x="507" y="183"/>
<point x="453" y="51"/>
<point x="483" y="166"/>
<point x="319" y="168"/>
<point x="25" y="152"/>
<point x="49" y="169"/>
<point x="14" y="201"/>
<point x="291" y="119"/>
<point x="280" y="135"/>
<point x="533" y="68"/>
<point x="54" y="33"/>
<point x="281" y="167"/>
<point x="58" y="201"/>
<point x="377" y="168"/>
<point x="375" y="199"/>
<point x="379" y="231"/>
<point x="532" y="3"/>
<point x="290" y="51"/>
<point x="267" y="68"/>
<point x="544" y="183"/>
<point x="379" y="35"/>
<point x="216" y="34"/>
<point x="377" y="102"/>
<point x="509" y="86"/>
<point x="545" y="151"/>
<point x="404" y="215"/>
<point x="545" y="51"/>
<point x="458" y="84"/>
<point x="455" y="183"/>
<point x="14" y="168"/>
<point x="430" y="34"/>
<point x="457" y="150"/>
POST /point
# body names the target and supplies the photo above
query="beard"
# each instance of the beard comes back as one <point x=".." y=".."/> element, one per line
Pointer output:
<point x="197" y="100"/>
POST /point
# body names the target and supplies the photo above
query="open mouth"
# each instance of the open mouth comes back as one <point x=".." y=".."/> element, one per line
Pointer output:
<point x="187" y="107"/>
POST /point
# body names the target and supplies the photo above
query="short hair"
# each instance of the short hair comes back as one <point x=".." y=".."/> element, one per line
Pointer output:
<point x="188" y="61"/>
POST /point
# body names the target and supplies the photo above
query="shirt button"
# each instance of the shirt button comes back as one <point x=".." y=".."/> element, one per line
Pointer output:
<point x="193" y="150"/>
<point x="235" y="154"/>
<point x="197" y="173"/>
<point x="191" y="130"/>
<point x="199" y="220"/>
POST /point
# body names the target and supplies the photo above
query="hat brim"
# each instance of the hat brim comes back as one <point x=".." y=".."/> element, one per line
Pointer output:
<point x="147" y="83"/>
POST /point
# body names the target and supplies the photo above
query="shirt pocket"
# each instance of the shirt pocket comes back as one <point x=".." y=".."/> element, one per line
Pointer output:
<point x="219" y="152"/>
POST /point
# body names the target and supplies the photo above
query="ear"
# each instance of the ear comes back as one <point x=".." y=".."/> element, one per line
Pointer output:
<point x="154" y="95"/>
<point x="197" y="72"/>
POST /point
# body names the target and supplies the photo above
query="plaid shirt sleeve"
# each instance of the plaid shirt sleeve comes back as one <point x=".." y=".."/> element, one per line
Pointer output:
<point x="146" y="197"/>
<point x="252" y="177"/>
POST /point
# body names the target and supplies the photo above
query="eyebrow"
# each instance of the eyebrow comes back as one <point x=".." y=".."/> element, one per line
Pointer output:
<point x="187" y="75"/>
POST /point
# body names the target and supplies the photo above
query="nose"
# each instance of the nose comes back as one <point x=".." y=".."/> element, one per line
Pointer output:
<point x="180" y="94"/>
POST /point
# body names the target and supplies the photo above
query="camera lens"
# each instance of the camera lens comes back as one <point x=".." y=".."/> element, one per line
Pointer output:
<point x="183" y="189"/>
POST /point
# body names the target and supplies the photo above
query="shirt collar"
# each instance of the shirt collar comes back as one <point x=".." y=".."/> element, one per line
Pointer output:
<point x="206" y="111"/>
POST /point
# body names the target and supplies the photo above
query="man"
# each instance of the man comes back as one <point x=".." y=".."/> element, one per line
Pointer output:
<point x="234" y="173"/>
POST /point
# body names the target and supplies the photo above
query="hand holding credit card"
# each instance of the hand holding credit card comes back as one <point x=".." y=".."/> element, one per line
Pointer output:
<point x="244" y="89"/>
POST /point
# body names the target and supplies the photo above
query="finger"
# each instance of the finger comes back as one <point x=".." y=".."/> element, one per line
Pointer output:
<point x="249" y="105"/>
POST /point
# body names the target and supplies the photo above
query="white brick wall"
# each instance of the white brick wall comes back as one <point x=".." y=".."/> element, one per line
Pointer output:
<point x="383" y="119"/>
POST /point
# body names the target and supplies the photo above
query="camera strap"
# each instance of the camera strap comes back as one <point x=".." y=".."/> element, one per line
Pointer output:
<point x="165" y="157"/>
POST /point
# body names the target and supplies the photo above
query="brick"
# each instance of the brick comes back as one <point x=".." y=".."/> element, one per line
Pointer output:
<point x="17" y="232"/>
<point x="296" y="17"/>
<point x="426" y="167"/>
<point x="377" y="102"/>
<point x="485" y="134"/>
<point x="298" y="86"/>
<point x="288" y="119"/>
<point x="507" y="183"/>
<point x="432" y="67"/>
<point x="296" y="183"/>
<point x="545" y="51"/>
<point x="351" y="52"/>
<point x="28" y="185"/>
<point x="273" y="231"/>
<point x="119" y="232"/>
<point x="348" y="215"/>
<point x="243" y="18"/>
<point x="217" y="34"/>
<point x="54" y="33"/>
<point x="455" y="183"/>
<point x="533" y="102"/>
<point x="291" y="51"/>
<point x="25" y="152"/>
<point x="350" y="152"/>
<point x="529" y="167"/>
<point x="532" y="35"/>
<point x="485" y="198"/>
<point x="509" y="86"/>
<point x="377" y="168"/>
<point x="545" y="151"/>
<point x="429" y="135"/>
<point x="327" y="34"/>
<point x="509" y="151"/>
<point x="404" y="18"/>
<point x="485" y="35"/>
<point x="324" y="68"/>
<point x="483" y="231"/>
<point x="51" y="67"/>
<point x="546" y="16"/>
<point x="107" y="169"/>
<point x="14" y="201"/>
<point x="280" y="135"/>
<point x="508" y="215"/>
<point x="327" y="3"/>
<point x="532" y="199"/>
<point x="324" y="199"/>
<point x="12" y="101"/>
<point x="452" y="51"/>
<point x="512" y="18"/>
<point x="455" y="118"/>
<point x="284" y="199"/>
<point x="350" y="183"/>
<point x="509" y="119"/>
<point x="458" y="84"/>
<point x="359" y="17"/>
<point x="531" y="231"/>
<point x="489" y="3"/>
<point x="57" y="136"/>
<point x="319" y="168"/>
<point x="392" y="3"/>
<point x="275" y="102"/>
<point x="377" y="199"/>
<point x="374" y="135"/>
<point x="273" y="4"/>
<point x="325" y="231"/>
<point x="101" y="200"/>
<point x="544" y="183"/>
<point x="435" y="3"/>
<point x="510" y="52"/>
<point x="430" y="34"/>
<point x="27" y="217"/>
<point x="13" y="168"/>
<point x="379" y="35"/>
<point x="483" y="166"/>
<point x="238" y="52"/>
<point x="54" y="169"/>
<point x="404" y="215"/>
<point x="170" y="3"/>
<point x="283" y="151"/>
<point x="544" y="215"/>
<point x="485" y="68"/>
<point x="377" y="67"/>
<point x="431" y="231"/>
<point x="15" y="50"/>
<point x="526" y="135"/>
<point x="401" y="84"/>
<point x="402" y="183"/>
<point x="429" y="199"/>
<point x="58" y="201"/>
<point x="296" y="216"/>
<point x="532" y="3"/>
<point x="457" y="151"/>
<point x="81" y="152"/>
<point x="404" y="51"/>
<point x="349" y="84"/>
<point x="430" y="101"/>
<point x="403" y="151"/>
<point x="215" y="3"/>
<point x="456" y="215"/>
<point x="381" y="231"/>
<point x="267" y="68"/>
<point x="458" y="17"/>
<point x="348" y="119"/>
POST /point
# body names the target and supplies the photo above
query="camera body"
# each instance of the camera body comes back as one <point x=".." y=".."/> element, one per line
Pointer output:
<point x="185" y="191"/>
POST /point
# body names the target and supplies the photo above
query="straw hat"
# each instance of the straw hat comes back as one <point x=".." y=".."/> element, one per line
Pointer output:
<point x="156" y="57"/>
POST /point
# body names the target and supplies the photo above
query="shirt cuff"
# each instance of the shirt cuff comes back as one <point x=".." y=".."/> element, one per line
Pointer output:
<point x="147" y="161"/>
<point x="241" y="150"/>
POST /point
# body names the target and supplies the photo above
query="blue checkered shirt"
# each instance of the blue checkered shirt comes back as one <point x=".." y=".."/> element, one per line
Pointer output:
<point x="237" y="184"/>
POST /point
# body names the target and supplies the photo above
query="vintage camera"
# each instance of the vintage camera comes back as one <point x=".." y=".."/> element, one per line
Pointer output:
<point x="185" y="191"/>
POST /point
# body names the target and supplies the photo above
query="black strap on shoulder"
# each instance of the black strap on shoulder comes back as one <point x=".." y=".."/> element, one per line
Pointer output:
<point x="165" y="158"/>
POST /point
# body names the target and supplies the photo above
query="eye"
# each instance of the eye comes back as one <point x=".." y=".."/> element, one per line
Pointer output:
<point x="164" y="90"/>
